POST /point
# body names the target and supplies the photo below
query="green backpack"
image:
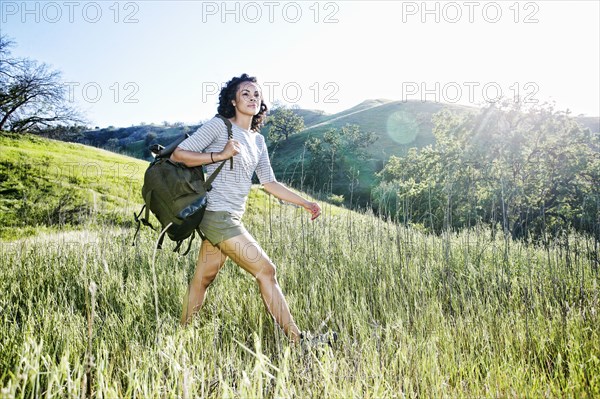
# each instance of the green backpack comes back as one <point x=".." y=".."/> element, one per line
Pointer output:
<point x="176" y="194"/>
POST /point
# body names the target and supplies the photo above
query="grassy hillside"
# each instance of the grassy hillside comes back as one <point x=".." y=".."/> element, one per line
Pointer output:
<point x="365" y="105"/>
<point x="47" y="184"/>
<point x="312" y="117"/>
<point x="462" y="315"/>
<point x="398" y="125"/>
<point x="459" y="315"/>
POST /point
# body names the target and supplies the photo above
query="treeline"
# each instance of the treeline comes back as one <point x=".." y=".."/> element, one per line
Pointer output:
<point x="133" y="141"/>
<point x="533" y="173"/>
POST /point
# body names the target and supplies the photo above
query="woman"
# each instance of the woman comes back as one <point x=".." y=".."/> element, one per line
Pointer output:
<point x="223" y="232"/>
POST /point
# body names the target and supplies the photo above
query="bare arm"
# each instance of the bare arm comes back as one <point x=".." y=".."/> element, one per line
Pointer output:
<point x="283" y="193"/>
<point x="193" y="158"/>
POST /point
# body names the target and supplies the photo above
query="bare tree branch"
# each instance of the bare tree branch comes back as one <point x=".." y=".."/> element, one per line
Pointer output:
<point x="32" y="96"/>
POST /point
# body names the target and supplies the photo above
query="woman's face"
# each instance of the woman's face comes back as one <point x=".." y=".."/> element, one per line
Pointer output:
<point x="248" y="98"/>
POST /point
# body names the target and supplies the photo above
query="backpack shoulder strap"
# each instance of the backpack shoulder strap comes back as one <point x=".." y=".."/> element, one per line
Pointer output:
<point x="208" y="183"/>
<point x="211" y="178"/>
<point x="229" y="134"/>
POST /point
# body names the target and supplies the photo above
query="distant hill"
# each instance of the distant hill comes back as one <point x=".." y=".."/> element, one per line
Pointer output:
<point x="399" y="125"/>
<point x="134" y="140"/>
<point x="310" y="116"/>
<point x="590" y="122"/>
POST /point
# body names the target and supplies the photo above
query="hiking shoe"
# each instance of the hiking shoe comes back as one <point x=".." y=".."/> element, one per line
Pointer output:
<point x="308" y="340"/>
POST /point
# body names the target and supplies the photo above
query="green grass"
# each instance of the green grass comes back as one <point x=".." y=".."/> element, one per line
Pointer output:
<point x="47" y="184"/>
<point x="464" y="314"/>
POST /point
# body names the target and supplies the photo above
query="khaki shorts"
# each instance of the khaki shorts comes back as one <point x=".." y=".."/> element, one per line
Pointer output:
<point x="218" y="226"/>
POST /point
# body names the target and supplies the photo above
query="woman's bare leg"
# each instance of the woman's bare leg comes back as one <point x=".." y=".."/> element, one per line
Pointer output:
<point x="210" y="261"/>
<point x="248" y="254"/>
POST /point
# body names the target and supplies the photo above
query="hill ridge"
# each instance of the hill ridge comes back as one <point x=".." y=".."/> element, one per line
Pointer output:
<point x="346" y="114"/>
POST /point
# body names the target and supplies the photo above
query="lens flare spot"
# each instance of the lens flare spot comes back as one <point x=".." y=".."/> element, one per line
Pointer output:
<point x="402" y="127"/>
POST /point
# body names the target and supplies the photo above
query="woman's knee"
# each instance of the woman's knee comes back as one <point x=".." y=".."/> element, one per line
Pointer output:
<point x="205" y="275"/>
<point x="267" y="272"/>
<point x="207" y="278"/>
<point x="210" y="261"/>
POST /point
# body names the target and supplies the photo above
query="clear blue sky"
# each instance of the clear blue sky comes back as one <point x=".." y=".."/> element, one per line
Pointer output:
<point x="154" y="61"/>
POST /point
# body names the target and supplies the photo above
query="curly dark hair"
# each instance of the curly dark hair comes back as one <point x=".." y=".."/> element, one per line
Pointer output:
<point x="227" y="95"/>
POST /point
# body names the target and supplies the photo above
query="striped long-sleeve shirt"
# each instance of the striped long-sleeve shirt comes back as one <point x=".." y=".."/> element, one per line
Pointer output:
<point x="231" y="187"/>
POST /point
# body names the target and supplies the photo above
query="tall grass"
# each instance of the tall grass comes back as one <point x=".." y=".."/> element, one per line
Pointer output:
<point x="460" y="315"/>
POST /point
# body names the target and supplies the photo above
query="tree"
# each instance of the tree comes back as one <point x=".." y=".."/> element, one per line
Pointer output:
<point x="339" y="152"/>
<point x="532" y="171"/>
<point x="283" y="122"/>
<point x="32" y="96"/>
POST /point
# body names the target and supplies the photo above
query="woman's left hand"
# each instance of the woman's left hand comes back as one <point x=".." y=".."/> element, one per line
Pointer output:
<point x="313" y="208"/>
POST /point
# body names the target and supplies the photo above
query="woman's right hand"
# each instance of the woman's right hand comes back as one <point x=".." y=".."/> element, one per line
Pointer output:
<point x="231" y="148"/>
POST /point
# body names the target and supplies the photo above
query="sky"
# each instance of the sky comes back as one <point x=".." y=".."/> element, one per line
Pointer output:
<point x="125" y="63"/>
